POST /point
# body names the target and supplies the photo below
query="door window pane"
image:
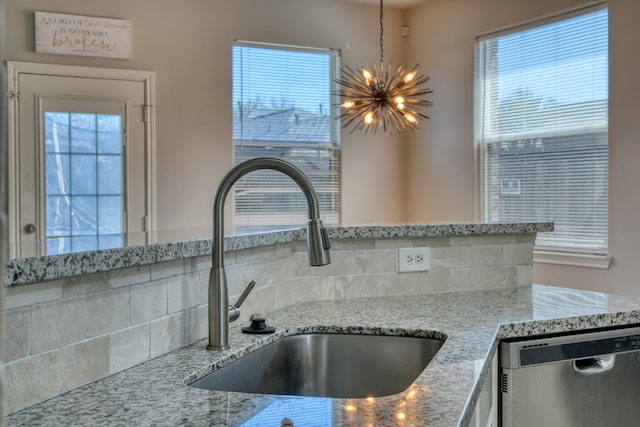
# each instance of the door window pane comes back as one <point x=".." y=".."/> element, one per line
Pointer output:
<point x="84" y="181"/>
<point x="109" y="174"/>
<point x="83" y="133"/>
<point x="57" y="174"/>
<point x="83" y="174"/>
<point x="109" y="131"/>
<point x="57" y="132"/>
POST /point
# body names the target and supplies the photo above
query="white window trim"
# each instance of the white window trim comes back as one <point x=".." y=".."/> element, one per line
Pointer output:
<point x="575" y="259"/>
<point x="15" y="68"/>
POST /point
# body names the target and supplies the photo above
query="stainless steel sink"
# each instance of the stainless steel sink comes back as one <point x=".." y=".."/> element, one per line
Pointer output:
<point x="327" y="365"/>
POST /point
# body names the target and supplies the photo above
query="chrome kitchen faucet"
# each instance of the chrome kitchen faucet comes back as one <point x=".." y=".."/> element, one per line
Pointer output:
<point x="318" y="245"/>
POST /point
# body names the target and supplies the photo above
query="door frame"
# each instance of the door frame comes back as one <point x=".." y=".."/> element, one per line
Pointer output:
<point x="15" y="69"/>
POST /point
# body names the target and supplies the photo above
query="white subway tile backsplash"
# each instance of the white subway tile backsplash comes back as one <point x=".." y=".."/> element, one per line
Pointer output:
<point x="148" y="301"/>
<point x="82" y="285"/>
<point x="129" y="276"/>
<point x="433" y="242"/>
<point x="431" y="281"/>
<point x="15" y="343"/>
<point x="107" y="312"/>
<point x="391" y="284"/>
<point x="30" y="380"/>
<point x="197" y="264"/>
<point x="525" y="275"/>
<point x="57" y="324"/>
<point x="375" y="261"/>
<point x="196" y="324"/>
<point x="184" y="292"/>
<point x="518" y="254"/>
<point x="351" y="245"/>
<point x="313" y="289"/>
<point x="167" y="334"/>
<point x="167" y="269"/>
<point x="393" y="243"/>
<point x="355" y="286"/>
<point x="82" y="363"/>
<point x="466" y="256"/>
<point x="129" y="347"/>
<point x="25" y="296"/>
<point x="465" y="279"/>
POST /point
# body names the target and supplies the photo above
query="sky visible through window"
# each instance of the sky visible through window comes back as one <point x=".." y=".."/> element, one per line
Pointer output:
<point x="523" y="51"/>
<point x="275" y="78"/>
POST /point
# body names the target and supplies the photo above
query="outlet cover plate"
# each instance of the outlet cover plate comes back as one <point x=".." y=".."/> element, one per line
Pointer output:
<point x="414" y="259"/>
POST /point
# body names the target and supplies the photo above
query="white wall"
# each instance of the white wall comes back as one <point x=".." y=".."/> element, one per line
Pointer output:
<point x="441" y="175"/>
<point x="188" y="44"/>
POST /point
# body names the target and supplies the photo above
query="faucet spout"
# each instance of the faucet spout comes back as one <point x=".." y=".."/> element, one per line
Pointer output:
<point x="318" y="243"/>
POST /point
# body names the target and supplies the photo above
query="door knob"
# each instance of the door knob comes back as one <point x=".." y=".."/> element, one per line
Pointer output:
<point x="29" y="228"/>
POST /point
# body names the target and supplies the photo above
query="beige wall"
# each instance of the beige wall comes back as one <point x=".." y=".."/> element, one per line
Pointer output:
<point x="425" y="176"/>
<point x="188" y="45"/>
<point x="441" y="176"/>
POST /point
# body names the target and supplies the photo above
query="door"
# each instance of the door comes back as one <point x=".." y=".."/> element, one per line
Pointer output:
<point x="80" y="164"/>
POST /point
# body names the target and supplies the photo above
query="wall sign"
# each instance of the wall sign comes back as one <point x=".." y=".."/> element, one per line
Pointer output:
<point x="82" y="35"/>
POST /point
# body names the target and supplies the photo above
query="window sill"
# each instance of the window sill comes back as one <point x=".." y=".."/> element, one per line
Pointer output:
<point x="575" y="259"/>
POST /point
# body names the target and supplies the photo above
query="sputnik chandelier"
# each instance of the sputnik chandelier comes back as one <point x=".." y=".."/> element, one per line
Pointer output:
<point x="385" y="97"/>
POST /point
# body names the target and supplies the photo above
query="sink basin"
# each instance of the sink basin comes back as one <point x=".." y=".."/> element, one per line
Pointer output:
<point x="327" y="365"/>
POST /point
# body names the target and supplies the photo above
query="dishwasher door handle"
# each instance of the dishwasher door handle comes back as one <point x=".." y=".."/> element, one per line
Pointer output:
<point x="594" y="365"/>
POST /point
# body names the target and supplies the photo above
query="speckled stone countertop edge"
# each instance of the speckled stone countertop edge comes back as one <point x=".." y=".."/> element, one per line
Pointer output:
<point x="24" y="271"/>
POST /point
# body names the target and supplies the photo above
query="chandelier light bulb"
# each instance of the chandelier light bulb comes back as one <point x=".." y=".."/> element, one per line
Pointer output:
<point x="410" y="118"/>
<point x="410" y="76"/>
<point x="367" y="75"/>
<point x="348" y="104"/>
<point x="368" y="118"/>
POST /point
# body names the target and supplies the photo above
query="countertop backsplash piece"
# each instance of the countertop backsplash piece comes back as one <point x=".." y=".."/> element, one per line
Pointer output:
<point x="44" y="268"/>
<point x="68" y="332"/>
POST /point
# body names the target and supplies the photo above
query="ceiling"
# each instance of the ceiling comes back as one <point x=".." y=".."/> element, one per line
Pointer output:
<point x="392" y="3"/>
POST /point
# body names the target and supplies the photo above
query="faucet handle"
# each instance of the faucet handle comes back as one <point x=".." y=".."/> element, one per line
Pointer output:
<point x="234" y="310"/>
<point x="245" y="294"/>
<point x="326" y="242"/>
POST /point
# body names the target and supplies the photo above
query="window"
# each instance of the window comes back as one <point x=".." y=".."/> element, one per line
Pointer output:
<point x="283" y="106"/>
<point x="542" y="134"/>
<point x="84" y="181"/>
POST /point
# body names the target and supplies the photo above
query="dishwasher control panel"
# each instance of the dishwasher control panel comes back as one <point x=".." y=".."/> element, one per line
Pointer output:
<point x="570" y="347"/>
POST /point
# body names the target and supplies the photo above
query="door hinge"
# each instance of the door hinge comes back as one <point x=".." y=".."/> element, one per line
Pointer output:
<point x="146" y="111"/>
<point x="12" y="94"/>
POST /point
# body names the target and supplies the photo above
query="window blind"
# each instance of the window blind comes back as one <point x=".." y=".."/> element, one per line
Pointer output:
<point x="543" y="128"/>
<point x="283" y="106"/>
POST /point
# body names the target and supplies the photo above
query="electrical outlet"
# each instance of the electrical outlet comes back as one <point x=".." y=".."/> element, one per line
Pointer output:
<point x="413" y="259"/>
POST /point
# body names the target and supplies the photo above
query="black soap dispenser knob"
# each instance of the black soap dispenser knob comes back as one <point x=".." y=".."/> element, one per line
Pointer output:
<point x="258" y="325"/>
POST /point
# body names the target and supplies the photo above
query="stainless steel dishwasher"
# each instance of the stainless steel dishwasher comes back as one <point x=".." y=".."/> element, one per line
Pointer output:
<point x="583" y="380"/>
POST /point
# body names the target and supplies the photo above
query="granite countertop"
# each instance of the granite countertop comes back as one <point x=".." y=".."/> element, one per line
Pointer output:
<point x="23" y="271"/>
<point x="154" y="393"/>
